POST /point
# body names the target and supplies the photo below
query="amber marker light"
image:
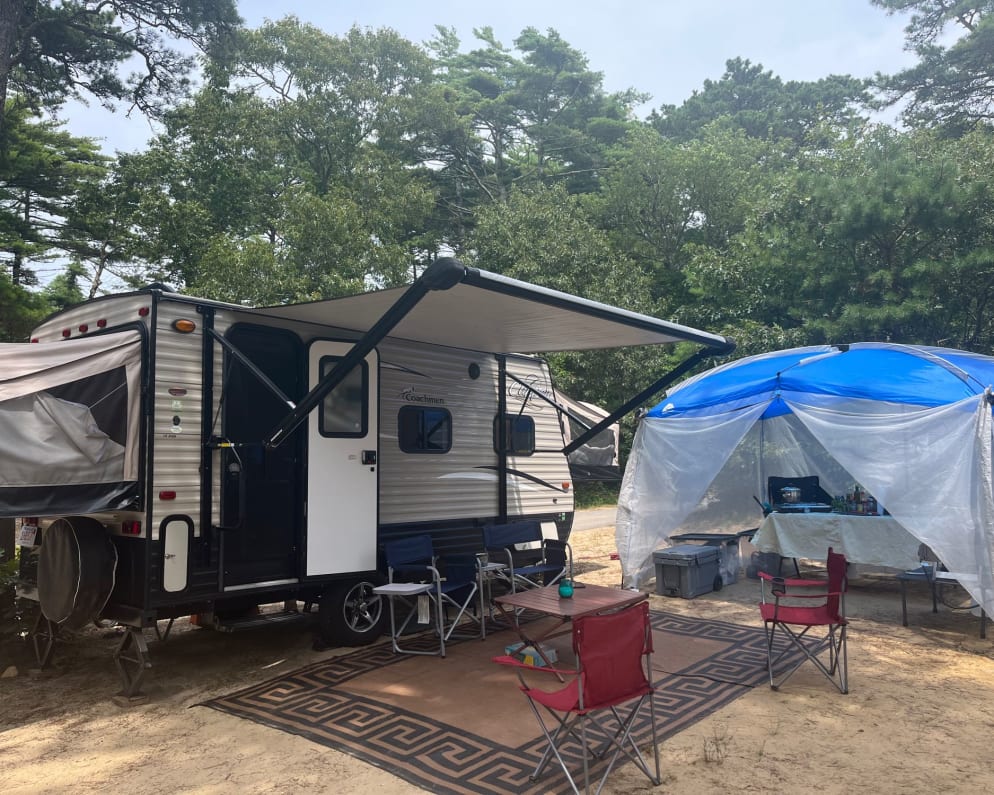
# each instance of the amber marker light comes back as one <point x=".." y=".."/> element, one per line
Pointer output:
<point x="565" y="485"/>
<point x="184" y="326"/>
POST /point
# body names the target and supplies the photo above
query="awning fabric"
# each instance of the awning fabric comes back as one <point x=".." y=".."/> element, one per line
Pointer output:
<point x="489" y="312"/>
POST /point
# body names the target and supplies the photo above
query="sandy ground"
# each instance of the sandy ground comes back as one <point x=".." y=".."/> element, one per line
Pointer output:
<point x="918" y="717"/>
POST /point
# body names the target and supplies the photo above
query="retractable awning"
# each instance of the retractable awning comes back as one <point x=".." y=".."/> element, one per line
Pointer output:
<point x="488" y="312"/>
<point x="450" y="304"/>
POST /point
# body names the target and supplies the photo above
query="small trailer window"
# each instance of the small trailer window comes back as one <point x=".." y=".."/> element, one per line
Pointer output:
<point x="424" y="430"/>
<point x="520" y="432"/>
<point x="344" y="411"/>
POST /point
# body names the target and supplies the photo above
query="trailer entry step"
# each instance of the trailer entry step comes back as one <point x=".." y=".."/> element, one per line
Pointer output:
<point x="265" y="619"/>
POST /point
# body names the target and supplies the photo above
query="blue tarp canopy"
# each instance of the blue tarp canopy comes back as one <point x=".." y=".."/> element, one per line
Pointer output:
<point x="911" y="424"/>
<point x="904" y="374"/>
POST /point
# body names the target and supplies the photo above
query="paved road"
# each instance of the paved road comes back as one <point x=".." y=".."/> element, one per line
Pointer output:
<point x="594" y="518"/>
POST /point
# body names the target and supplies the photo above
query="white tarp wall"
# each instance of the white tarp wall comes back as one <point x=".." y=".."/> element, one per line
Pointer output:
<point x="931" y="468"/>
<point x="69" y="424"/>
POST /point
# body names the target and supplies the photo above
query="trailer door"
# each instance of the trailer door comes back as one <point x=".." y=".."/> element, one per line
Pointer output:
<point x="263" y="502"/>
<point x="342" y="466"/>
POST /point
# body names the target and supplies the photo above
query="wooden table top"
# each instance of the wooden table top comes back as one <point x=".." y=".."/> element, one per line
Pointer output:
<point x="586" y="599"/>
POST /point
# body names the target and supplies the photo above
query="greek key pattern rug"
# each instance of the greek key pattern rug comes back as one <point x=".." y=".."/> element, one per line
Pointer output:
<point x="460" y="724"/>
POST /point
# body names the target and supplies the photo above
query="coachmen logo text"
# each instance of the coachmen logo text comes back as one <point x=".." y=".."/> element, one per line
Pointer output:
<point x="412" y="396"/>
<point x="521" y="391"/>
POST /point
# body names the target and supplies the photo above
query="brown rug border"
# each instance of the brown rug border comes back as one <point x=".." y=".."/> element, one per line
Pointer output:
<point x="439" y="758"/>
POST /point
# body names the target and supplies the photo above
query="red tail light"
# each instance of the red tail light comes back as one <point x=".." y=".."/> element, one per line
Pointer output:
<point x="131" y="528"/>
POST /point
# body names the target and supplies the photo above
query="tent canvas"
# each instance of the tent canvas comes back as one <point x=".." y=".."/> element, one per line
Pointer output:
<point x="911" y="424"/>
<point x="69" y="424"/>
<point x="598" y="458"/>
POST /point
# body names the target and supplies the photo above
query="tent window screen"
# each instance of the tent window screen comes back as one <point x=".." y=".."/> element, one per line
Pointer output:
<point x="345" y="410"/>
<point x="520" y="434"/>
<point x="424" y="430"/>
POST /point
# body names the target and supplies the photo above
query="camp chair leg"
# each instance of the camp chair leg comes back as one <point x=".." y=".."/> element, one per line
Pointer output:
<point x="834" y="643"/>
<point x="412" y="603"/>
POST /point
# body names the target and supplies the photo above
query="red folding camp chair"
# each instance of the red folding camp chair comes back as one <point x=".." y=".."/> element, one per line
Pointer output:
<point x="794" y="621"/>
<point x="614" y="668"/>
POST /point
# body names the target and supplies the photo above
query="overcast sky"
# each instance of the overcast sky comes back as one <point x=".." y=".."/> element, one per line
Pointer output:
<point x="667" y="48"/>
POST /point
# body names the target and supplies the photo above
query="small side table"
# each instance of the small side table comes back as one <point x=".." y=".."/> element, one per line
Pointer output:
<point x="487" y="571"/>
<point x="407" y="591"/>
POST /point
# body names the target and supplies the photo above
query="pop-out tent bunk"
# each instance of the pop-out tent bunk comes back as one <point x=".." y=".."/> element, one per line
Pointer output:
<point x="911" y="424"/>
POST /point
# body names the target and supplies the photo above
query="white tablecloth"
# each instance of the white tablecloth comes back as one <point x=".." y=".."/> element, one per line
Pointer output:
<point x="871" y="540"/>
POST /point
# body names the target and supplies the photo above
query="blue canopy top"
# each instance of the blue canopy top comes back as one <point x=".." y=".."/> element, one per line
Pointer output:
<point x="908" y="374"/>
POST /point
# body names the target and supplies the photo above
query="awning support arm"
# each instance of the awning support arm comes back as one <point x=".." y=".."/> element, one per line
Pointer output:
<point x="685" y="366"/>
<point x="442" y="274"/>
<point x="250" y="366"/>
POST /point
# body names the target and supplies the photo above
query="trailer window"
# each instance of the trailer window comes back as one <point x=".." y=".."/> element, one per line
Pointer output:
<point x="344" y="410"/>
<point x="424" y="430"/>
<point x="520" y="431"/>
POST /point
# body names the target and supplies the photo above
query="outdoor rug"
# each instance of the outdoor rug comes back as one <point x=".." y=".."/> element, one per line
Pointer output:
<point x="460" y="724"/>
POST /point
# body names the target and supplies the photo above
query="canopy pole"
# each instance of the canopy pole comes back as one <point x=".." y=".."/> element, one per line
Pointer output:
<point x="685" y="366"/>
<point x="442" y="274"/>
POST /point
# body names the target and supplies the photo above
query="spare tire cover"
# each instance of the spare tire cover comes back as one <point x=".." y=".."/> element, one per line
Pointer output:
<point x="75" y="571"/>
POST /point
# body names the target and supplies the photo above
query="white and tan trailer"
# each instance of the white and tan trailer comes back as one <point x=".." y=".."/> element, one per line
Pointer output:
<point x="170" y="456"/>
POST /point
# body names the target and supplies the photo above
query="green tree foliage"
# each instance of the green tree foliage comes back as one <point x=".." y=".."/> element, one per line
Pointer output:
<point x="299" y="180"/>
<point x="951" y="83"/>
<point x="42" y="169"/>
<point x="50" y="51"/>
<point x="753" y="100"/>
<point x="663" y="199"/>
<point x="884" y="237"/>
<point x="535" y="114"/>
<point x="20" y="310"/>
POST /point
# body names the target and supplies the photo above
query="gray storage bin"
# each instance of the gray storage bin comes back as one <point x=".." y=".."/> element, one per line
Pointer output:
<point x="686" y="570"/>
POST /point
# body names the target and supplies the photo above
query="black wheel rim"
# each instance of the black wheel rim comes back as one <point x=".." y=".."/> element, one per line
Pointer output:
<point x="362" y="608"/>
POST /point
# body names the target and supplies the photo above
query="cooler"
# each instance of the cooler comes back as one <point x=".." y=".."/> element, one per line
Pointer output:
<point x="728" y="544"/>
<point x="686" y="570"/>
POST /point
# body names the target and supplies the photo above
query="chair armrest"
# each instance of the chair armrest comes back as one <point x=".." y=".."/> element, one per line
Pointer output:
<point x="792" y="582"/>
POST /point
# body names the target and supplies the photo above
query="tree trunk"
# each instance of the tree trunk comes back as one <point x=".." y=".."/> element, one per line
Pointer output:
<point x="11" y="12"/>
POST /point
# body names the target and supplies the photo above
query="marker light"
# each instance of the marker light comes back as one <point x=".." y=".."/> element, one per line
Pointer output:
<point x="184" y="326"/>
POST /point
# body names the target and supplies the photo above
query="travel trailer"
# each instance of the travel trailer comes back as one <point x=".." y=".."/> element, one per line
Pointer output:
<point x="171" y="456"/>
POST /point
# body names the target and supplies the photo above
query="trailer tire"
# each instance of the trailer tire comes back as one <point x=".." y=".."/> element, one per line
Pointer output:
<point x="350" y="613"/>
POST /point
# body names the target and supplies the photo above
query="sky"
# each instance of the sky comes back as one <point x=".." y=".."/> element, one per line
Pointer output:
<point x="666" y="48"/>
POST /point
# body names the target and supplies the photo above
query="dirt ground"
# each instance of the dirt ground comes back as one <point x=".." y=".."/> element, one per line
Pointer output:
<point x="918" y="717"/>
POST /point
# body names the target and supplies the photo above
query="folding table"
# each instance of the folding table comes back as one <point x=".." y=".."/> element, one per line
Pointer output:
<point x="586" y="600"/>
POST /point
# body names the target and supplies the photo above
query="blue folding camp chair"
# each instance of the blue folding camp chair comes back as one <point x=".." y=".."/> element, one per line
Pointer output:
<point x="414" y="573"/>
<point x="531" y="560"/>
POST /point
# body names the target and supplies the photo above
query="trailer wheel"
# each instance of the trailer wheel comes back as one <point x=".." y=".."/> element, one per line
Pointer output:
<point x="351" y="614"/>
